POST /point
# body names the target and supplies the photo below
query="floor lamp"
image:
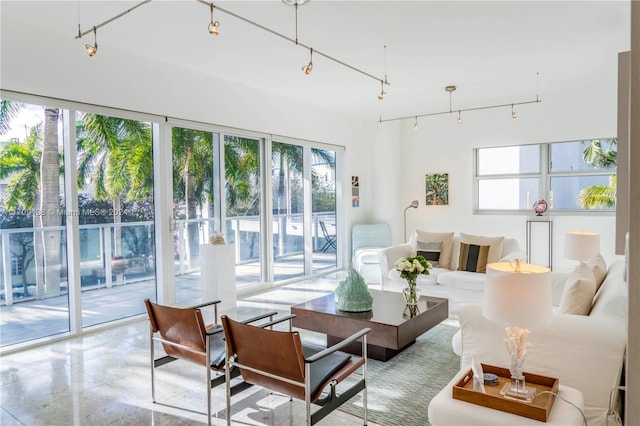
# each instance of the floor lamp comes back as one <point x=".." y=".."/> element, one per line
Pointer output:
<point x="413" y="205"/>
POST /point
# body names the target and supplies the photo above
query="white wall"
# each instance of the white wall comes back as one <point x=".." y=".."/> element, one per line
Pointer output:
<point x="441" y="145"/>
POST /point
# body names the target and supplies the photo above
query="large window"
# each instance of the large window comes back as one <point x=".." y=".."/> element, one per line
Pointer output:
<point x="571" y="176"/>
<point x="80" y="212"/>
<point x="32" y="223"/>
<point x="116" y="220"/>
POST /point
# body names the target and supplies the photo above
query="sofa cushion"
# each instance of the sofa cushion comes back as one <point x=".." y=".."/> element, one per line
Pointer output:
<point x="598" y="266"/>
<point x="446" y="238"/>
<point x="430" y="251"/>
<point x="473" y="258"/>
<point x="463" y="280"/>
<point x="495" y="243"/>
<point x="579" y="290"/>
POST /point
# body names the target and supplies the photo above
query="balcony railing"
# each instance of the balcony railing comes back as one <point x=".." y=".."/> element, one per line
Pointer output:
<point x="123" y="253"/>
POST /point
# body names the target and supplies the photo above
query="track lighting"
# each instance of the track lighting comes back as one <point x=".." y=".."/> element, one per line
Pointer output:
<point x="213" y="28"/>
<point x="450" y="90"/>
<point x="92" y="49"/>
<point x="213" y="25"/>
<point x="307" y="68"/>
<point x="382" y="92"/>
<point x="415" y="125"/>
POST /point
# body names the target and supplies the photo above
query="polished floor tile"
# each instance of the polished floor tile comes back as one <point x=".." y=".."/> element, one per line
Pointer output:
<point x="104" y="379"/>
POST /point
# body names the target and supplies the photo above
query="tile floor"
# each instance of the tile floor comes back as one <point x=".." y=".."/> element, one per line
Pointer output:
<point x="104" y="379"/>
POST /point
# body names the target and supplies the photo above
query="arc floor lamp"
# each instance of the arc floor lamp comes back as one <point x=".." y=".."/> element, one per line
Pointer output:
<point x="413" y="205"/>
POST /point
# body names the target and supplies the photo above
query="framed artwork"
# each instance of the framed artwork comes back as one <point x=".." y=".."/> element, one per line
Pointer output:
<point x="437" y="189"/>
<point x="355" y="191"/>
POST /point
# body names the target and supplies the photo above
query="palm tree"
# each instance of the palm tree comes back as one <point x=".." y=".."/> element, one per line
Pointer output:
<point x="193" y="177"/>
<point x="20" y="165"/>
<point x="598" y="196"/>
<point x="50" y="202"/>
<point x="114" y="158"/>
<point x="33" y="169"/>
<point x="8" y="111"/>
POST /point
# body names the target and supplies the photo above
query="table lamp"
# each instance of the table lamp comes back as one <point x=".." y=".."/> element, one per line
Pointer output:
<point x="580" y="246"/>
<point x="518" y="294"/>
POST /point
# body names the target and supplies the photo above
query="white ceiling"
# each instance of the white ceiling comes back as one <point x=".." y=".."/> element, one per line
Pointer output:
<point x="491" y="50"/>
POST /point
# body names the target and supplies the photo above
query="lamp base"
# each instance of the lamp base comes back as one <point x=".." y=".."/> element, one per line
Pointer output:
<point x="517" y="390"/>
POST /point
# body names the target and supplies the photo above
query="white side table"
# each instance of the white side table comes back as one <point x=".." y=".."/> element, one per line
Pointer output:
<point x="444" y="410"/>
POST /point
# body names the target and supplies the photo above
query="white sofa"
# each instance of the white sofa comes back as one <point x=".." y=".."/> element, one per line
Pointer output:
<point x="460" y="287"/>
<point x="585" y="352"/>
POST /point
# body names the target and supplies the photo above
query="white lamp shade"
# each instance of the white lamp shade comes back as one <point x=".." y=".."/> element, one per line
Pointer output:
<point x="581" y="246"/>
<point x="518" y="298"/>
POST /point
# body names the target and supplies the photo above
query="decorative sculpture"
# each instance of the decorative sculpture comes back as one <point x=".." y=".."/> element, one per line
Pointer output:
<point x="352" y="294"/>
<point x="217" y="239"/>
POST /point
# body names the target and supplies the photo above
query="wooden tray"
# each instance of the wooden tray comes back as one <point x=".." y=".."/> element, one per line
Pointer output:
<point x="538" y="409"/>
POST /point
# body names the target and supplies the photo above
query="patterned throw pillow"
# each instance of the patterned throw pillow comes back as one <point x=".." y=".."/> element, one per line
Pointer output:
<point x="431" y="252"/>
<point x="446" y="238"/>
<point x="473" y="258"/>
<point x="495" y="243"/>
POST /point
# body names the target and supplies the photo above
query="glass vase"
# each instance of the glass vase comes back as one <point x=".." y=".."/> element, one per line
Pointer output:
<point x="411" y="294"/>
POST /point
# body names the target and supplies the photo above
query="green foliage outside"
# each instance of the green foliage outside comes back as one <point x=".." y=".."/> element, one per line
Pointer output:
<point x="602" y="155"/>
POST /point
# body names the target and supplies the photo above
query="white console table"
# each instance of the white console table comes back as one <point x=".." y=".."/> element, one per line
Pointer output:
<point x="540" y="241"/>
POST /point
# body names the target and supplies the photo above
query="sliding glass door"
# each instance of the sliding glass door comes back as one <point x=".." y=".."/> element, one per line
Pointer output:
<point x="323" y="200"/>
<point x="193" y="205"/>
<point x="116" y="224"/>
<point x="274" y="200"/>
<point x="243" y="207"/>
<point x="287" y="192"/>
<point x="34" y="294"/>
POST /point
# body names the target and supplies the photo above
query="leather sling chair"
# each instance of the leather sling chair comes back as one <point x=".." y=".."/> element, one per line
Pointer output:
<point x="184" y="335"/>
<point x="278" y="361"/>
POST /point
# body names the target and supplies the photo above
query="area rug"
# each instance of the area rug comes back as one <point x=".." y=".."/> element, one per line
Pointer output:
<point x="399" y="390"/>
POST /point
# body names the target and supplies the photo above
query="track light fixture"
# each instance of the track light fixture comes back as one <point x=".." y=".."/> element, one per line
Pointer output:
<point x="450" y="90"/>
<point x="92" y="49"/>
<point x="415" y="125"/>
<point x="382" y="92"/>
<point x="213" y="29"/>
<point x="307" y="68"/>
<point x="213" y="25"/>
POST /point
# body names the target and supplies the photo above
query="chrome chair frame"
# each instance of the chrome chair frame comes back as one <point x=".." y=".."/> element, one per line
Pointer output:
<point x="329" y="402"/>
<point x="215" y="329"/>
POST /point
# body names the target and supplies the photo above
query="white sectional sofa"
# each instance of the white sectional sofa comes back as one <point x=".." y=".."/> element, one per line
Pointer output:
<point x="585" y="352"/>
<point x="447" y="281"/>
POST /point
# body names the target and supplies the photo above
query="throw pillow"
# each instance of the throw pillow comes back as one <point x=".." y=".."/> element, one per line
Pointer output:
<point x="578" y="292"/>
<point x="598" y="266"/>
<point x="473" y="258"/>
<point x="495" y="243"/>
<point x="446" y="238"/>
<point x="431" y="252"/>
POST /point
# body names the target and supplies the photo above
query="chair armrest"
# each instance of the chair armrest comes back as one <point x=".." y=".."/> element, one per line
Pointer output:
<point x="278" y="321"/>
<point x="218" y="328"/>
<point x="318" y="356"/>
<point x="202" y="305"/>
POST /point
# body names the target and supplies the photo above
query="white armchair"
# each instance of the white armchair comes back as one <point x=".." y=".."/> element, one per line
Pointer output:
<point x="367" y="240"/>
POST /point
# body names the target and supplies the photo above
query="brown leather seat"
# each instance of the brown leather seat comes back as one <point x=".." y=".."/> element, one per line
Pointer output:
<point x="184" y="335"/>
<point x="277" y="360"/>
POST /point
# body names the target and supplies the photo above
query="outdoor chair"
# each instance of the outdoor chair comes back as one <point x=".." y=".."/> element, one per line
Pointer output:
<point x="277" y="360"/>
<point x="184" y="335"/>
<point x="329" y="239"/>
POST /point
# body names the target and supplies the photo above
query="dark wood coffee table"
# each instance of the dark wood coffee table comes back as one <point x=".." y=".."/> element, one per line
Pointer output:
<point x="393" y="328"/>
